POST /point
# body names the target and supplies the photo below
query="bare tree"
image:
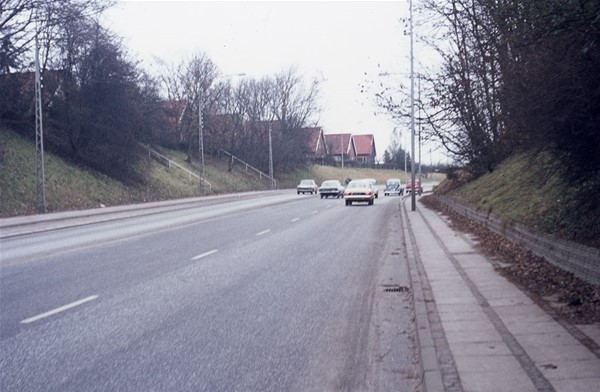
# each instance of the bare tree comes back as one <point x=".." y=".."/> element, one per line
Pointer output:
<point x="22" y="20"/>
<point x="225" y="124"/>
<point x="237" y="118"/>
<point x="294" y="106"/>
<point x="188" y="86"/>
<point x="516" y="74"/>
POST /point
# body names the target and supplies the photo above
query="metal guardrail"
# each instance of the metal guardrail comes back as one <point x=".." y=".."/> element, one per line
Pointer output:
<point x="170" y="164"/>
<point x="581" y="260"/>
<point x="249" y="166"/>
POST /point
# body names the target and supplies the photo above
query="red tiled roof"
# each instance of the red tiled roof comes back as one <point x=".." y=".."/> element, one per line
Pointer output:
<point x="333" y="143"/>
<point x="313" y="138"/>
<point x="364" y="145"/>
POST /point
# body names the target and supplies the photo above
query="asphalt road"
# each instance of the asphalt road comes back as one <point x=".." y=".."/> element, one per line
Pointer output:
<point x="279" y="293"/>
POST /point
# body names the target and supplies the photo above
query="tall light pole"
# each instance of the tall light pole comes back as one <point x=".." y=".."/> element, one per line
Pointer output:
<point x="342" y="153"/>
<point x="405" y="159"/>
<point x="201" y="133"/>
<point x="270" y="157"/>
<point x="201" y="145"/>
<point x="420" y="145"/>
<point x="39" y="134"/>
<point x="412" y="112"/>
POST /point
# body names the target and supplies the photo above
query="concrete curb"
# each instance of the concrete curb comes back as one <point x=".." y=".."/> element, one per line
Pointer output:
<point x="11" y="227"/>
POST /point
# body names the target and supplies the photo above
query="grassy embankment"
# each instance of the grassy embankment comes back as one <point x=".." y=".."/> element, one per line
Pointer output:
<point x="70" y="187"/>
<point x="524" y="189"/>
<point x="533" y="190"/>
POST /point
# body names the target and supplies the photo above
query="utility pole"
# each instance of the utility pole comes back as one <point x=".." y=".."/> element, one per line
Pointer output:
<point x="405" y="159"/>
<point x="201" y="145"/>
<point x="270" y="157"/>
<point x="40" y="182"/>
<point x="342" y="153"/>
<point x="201" y="133"/>
<point x="420" y="145"/>
<point x="412" y="113"/>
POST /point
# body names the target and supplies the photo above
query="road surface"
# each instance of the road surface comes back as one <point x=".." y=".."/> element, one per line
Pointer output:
<point x="277" y="293"/>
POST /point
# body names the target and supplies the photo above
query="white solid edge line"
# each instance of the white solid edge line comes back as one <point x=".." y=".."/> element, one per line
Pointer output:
<point x="58" y="310"/>
<point x="263" y="232"/>
<point x="210" y="252"/>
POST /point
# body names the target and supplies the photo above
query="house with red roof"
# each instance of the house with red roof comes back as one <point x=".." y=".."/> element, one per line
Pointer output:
<point x="341" y="145"/>
<point x="365" y="149"/>
<point x="316" y="148"/>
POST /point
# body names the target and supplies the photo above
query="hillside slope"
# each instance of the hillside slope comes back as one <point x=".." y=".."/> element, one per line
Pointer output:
<point x="72" y="187"/>
<point x="534" y="190"/>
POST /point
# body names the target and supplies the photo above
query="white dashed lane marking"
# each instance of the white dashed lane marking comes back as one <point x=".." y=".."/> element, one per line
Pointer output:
<point x="59" y="309"/>
<point x="210" y="252"/>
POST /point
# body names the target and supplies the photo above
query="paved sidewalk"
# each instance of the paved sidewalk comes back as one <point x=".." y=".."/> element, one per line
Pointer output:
<point x="477" y="331"/>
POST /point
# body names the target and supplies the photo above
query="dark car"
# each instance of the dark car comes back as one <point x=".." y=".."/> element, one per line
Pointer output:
<point x="332" y="188"/>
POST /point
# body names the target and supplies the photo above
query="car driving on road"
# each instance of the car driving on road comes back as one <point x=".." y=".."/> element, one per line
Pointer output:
<point x="332" y="188"/>
<point x="374" y="186"/>
<point x="418" y="187"/>
<point x="307" y="186"/>
<point x="359" y="191"/>
<point x="393" y="186"/>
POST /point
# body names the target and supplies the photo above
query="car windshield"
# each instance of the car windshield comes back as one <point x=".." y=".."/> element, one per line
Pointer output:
<point x="306" y="182"/>
<point x="329" y="183"/>
<point x="358" y="185"/>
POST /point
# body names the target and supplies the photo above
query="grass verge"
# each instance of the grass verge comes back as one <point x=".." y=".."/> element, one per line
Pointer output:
<point x="532" y="189"/>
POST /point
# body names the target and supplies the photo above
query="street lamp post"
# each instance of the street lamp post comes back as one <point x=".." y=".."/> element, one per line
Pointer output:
<point x="420" y="145"/>
<point x="39" y="133"/>
<point x="342" y="153"/>
<point x="270" y="158"/>
<point x="201" y="133"/>
<point x="413" y="158"/>
<point x="201" y="146"/>
<point x="412" y="112"/>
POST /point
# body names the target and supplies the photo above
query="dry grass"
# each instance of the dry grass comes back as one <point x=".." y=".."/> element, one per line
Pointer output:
<point x="532" y="190"/>
<point x="70" y="187"/>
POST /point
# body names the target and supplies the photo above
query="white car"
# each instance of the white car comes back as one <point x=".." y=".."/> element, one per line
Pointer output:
<point x="359" y="191"/>
<point x="307" y="186"/>
<point x="373" y="183"/>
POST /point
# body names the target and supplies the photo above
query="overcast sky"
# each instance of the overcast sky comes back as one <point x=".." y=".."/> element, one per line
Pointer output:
<point x="343" y="43"/>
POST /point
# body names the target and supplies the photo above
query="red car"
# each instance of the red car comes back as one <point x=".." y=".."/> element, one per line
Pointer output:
<point x="418" y="187"/>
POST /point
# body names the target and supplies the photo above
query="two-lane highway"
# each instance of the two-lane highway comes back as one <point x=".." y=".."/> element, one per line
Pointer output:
<point x="279" y="293"/>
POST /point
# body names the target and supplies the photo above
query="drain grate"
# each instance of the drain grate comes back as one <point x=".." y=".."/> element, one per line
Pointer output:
<point x="394" y="288"/>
